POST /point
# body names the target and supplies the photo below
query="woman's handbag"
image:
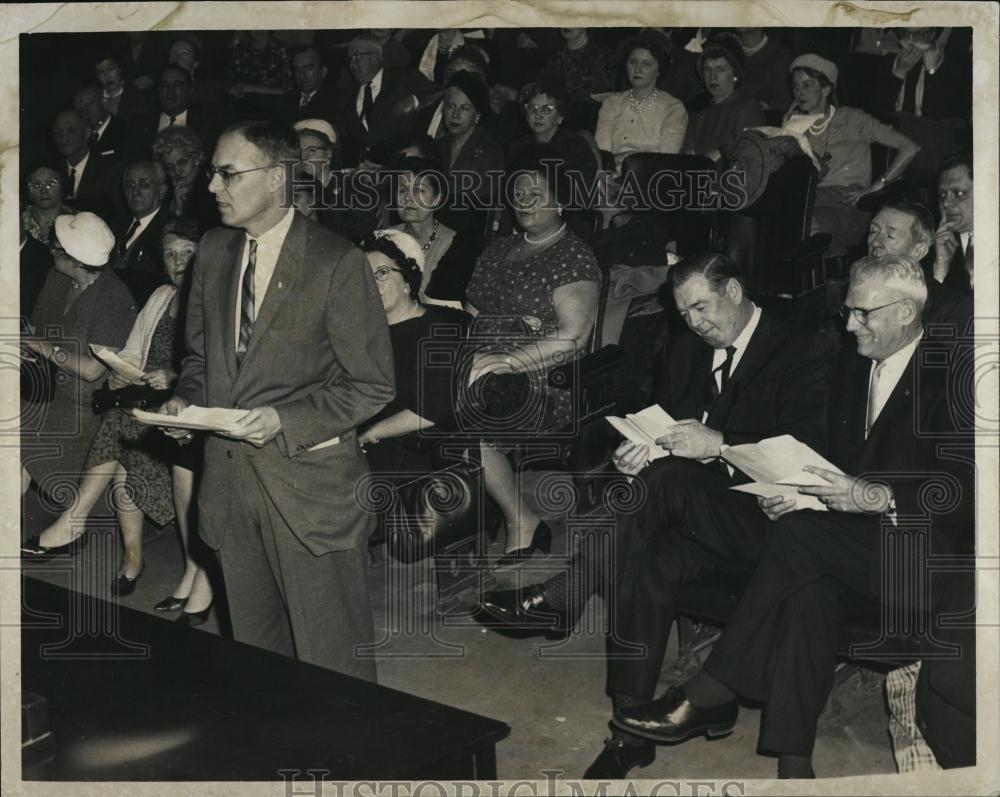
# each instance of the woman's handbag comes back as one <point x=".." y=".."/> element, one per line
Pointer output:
<point x="143" y="397"/>
<point x="434" y="512"/>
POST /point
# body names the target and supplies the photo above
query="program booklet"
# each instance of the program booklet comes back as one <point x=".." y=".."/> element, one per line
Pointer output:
<point x="644" y="427"/>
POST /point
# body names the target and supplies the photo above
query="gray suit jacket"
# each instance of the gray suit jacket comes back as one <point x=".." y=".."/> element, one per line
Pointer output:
<point x="319" y="354"/>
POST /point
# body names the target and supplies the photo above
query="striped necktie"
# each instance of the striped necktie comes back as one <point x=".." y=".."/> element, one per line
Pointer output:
<point x="247" y="313"/>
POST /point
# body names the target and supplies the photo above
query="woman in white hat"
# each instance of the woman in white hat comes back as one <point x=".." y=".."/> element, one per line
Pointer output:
<point x="841" y="139"/>
<point x="81" y="303"/>
<point x="423" y="394"/>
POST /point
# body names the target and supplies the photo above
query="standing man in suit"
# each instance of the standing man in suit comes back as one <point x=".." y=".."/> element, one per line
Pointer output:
<point x="107" y="136"/>
<point x="906" y="486"/>
<point x="379" y="105"/>
<point x="92" y="178"/>
<point x="285" y="322"/>
<point x="953" y="245"/>
<point x="313" y="97"/>
<point x="741" y="376"/>
<point x="137" y="258"/>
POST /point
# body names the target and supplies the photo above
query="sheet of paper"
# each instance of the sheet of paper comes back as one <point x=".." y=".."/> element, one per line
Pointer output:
<point x="776" y="459"/>
<point x="117" y="364"/>
<point x="768" y="489"/>
<point x="642" y="428"/>
<point x="210" y="419"/>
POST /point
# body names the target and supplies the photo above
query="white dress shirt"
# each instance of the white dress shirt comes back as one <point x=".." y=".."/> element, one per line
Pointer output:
<point x="179" y="121"/>
<point x="740" y="344"/>
<point x="889" y="376"/>
<point x="376" y="90"/>
<point x="78" y="174"/>
<point x="268" y="248"/>
<point x="143" y="224"/>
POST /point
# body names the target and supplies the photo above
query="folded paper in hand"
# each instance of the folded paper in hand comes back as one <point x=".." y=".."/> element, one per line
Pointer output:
<point x="210" y="419"/>
<point x="776" y="467"/>
<point x="121" y="367"/>
<point x="644" y="427"/>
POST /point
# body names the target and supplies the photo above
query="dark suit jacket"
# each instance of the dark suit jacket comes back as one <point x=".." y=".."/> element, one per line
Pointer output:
<point x="780" y="385"/>
<point x="957" y="277"/>
<point x="480" y="154"/>
<point x="950" y="307"/>
<point x="134" y="103"/>
<point x="205" y="120"/>
<point x="385" y="128"/>
<point x="319" y="354"/>
<point x="100" y="189"/>
<point x="904" y="449"/>
<point x="140" y="267"/>
<point x="322" y="105"/>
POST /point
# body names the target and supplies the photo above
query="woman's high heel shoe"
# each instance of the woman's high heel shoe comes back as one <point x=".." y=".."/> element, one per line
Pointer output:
<point x="541" y="540"/>
<point x="193" y="619"/>
<point x="123" y="585"/>
<point x="170" y="604"/>
<point x="34" y="551"/>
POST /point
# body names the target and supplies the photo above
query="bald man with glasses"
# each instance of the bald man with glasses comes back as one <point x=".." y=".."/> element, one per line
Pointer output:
<point x="906" y="491"/>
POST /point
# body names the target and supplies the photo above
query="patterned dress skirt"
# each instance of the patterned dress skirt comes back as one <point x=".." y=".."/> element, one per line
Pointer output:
<point x="144" y="451"/>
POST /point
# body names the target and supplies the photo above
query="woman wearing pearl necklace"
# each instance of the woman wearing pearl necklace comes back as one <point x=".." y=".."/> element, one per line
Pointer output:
<point x="534" y="295"/>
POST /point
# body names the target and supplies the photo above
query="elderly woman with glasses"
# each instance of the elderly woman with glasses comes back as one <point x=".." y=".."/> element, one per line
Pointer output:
<point x="181" y="153"/>
<point x="46" y="189"/>
<point x="423" y="394"/>
<point x="81" y="304"/>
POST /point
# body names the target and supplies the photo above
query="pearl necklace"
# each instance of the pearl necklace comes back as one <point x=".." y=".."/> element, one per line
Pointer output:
<point x="430" y="241"/>
<point x="821" y="125"/>
<point x="546" y="239"/>
<point x="640" y="105"/>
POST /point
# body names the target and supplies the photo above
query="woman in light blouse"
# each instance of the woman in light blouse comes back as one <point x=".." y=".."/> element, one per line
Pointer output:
<point x="644" y="118"/>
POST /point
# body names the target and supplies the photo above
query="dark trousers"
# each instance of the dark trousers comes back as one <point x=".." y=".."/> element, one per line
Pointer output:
<point x="284" y="598"/>
<point x="780" y="646"/>
<point x="690" y="524"/>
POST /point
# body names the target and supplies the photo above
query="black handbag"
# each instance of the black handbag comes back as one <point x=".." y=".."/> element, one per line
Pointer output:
<point x="434" y="512"/>
<point x="142" y="397"/>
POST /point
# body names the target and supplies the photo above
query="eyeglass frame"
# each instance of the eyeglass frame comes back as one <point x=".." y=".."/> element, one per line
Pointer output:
<point x="384" y="271"/>
<point x="542" y="110"/>
<point x="862" y="314"/>
<point x="227" y="176"/>
<point x="34" y="185"/>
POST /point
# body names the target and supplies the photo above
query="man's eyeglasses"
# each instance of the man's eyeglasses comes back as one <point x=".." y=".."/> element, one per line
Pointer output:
<point x="541" y="110"/>
<point x="35" y="185"/>
<point x="145" y="185"/>
<point x="861" y="314"/>
<point x="360" y="56"/>
<point x="382" y="273"/>
<point x="227" y="176"/>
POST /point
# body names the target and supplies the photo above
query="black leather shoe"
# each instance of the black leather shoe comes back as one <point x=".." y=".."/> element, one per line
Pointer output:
<point x="192" y="619"/>
<point x="170" y="604"/>
<point x="524" y="610"/>
<point x="33" y="550"/>
<point x="673" y="718"/>
<point x="622" y="753"/>
<point x="541" y="540"/>
<point x="123" y="585"/>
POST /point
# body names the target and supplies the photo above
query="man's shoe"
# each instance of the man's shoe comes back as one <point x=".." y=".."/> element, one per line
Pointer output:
<point x="524" y="610"/>
<point x="622" y="753"/>
<point x="673" y="718"/>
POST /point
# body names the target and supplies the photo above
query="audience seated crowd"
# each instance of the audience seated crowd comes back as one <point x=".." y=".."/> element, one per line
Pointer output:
<point x="470" y="168"/>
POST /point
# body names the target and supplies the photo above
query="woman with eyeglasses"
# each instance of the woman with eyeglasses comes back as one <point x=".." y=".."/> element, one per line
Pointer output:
<point x="181" y="153"/>
<point x="534" y="295"/>
<point x="841" y="139"/>
<point x="644" y="118"/>
<point x="545" y="108"/>
<point x="45" y="191"/>
<point x="423" y="394"/>
<point x="152" y="476"/>
<point x="81" y="303"/>
<point x="468" y="148"/>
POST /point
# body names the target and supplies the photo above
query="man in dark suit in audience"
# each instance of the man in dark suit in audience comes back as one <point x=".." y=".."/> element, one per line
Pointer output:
<point x="907" y="228"/>
<point x="173" y="92"/>
<point x="92" y="178"/>
<point x="905" y="486"/>
<point x="313" y="97"/>
<point x="953" y="244"/>
<point x="740" y="376"/>
<point x="137" y="259"/>
<point x="378" y="105"/>
<point x="108" y="135"/>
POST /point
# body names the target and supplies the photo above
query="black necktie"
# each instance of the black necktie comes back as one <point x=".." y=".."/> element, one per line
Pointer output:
<point x="93" y="139"/>
<point x="171" y="120"/>
<point x="304" y="99"/>
<point x="247" y="313"/>
<point x="440" y="64"/>
<point x="123" y="246"/>
<point x="713" y="388"/>
<point x="366" y="106"/>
